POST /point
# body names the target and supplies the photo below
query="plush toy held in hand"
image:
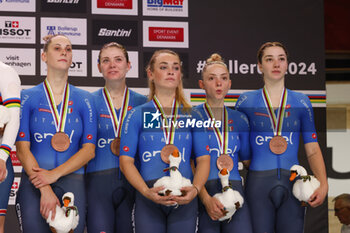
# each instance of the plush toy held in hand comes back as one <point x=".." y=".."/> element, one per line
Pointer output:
<point x="67" y="217"/>
<point x="305" y="185"/>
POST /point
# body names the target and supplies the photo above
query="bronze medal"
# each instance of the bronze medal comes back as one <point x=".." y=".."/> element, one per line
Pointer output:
<point x="278" y="145"/>
<point x="60" y="141"/>
<point x="166" y="151"/>
<point x="115" y="146"/>
<point x="224" y="161"/>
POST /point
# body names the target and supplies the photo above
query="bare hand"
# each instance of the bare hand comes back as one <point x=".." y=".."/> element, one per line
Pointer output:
<point x="190" y="194"/>
<point x="317" y="198"/>
<point x="214" y="208"/>
<point x="48" y="202"/>
<point x="42" y="177"/>
<point x="3" y="170"/>
<point x="153" y="195"/>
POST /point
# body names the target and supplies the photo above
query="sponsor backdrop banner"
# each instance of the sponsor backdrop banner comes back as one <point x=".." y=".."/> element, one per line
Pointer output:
<point x="194" y="29"/>
<point x="17" y="5"/>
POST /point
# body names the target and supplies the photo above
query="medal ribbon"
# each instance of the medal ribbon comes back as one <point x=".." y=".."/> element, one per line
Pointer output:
<point x="59" y="119"/>
<point x="117" y="124"/>
<point x="169" y="133"/>
<point x="276" y="122"/>
<point x="221" y="137"/>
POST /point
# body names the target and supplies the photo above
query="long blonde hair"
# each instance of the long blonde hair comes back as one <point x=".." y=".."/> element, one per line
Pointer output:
<point x="179" y="93"/>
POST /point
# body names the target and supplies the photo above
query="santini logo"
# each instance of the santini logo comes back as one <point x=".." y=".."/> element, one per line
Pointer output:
<point x="116" y="33"/>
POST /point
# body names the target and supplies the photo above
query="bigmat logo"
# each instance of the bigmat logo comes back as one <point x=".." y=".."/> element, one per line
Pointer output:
<point x="165" y="34"/>
<point x="17" y="5"/>
<point x="22" y="60"/>
<point x="73" y="28"/>
<point x="73" y="6"/>
<point x="174" y="8"/>
<point x="17" y="30"/>
<point x="104" y="31"/>
<point x="78" y="67"/>
<point x="114" y="7"/>
<point x="133" y="58"/>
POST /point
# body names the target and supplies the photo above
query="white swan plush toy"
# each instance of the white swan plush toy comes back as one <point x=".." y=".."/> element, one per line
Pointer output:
<point x="67" y="217"/>
<point x="231" y="199"/>
<point x="175" y="181"/>
<point x="304" y="187"/>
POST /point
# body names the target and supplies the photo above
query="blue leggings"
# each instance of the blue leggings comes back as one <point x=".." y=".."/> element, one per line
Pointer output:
<point x="273" y="207"/>
<point x="240" y="221"/>
<point x="5" y="188"/>
<point x="110" y="202"/>
<point x="151" y="217"/>
<point x="28" y="202"/>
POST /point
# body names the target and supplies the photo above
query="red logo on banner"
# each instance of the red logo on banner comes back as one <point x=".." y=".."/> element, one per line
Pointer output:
<point x="166" y="34"/>
<point x="15" y="24"/>
<point x="114" y="4"/>
<point x="14" y="159"/>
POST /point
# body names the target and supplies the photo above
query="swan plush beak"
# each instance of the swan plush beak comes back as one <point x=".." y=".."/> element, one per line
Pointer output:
<point x="224" y="171"/>
<point x="66" y="202"/>
<point x="293" y="175"/>
<point x="176" y="153"/>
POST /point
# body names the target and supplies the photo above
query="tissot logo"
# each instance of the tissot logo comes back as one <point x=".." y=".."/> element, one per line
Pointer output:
<point x="125" y="32"/>
<point x="17" y="30"/>
<point x="166" y="34"/>
<point x="11" y="24"/>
